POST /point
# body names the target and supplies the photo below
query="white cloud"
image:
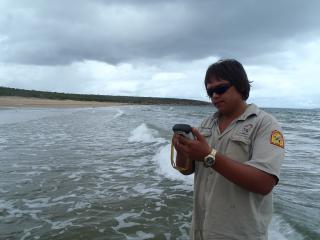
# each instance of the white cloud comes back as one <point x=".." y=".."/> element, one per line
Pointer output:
<point x="295" y="85"/>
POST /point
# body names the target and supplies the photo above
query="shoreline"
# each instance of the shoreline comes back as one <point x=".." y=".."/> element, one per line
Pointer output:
<point x="26" y="102"/>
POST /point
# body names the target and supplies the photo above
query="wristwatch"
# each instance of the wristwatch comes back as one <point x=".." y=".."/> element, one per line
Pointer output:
<point x="209" y="160"/>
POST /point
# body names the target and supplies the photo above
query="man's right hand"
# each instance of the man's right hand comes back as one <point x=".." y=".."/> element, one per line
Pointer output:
<point x="196" y="149"/>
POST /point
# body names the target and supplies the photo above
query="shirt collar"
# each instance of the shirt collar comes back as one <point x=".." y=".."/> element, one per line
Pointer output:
<point x="251" y="109"/>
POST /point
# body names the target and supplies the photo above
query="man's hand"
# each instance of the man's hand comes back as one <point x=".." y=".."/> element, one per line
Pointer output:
<point x="196" y="149"/>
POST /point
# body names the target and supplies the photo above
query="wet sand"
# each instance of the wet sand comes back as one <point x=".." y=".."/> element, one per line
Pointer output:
<point x="50" y="103"/>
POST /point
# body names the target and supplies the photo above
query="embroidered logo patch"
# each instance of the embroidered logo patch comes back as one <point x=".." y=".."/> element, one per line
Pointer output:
<point x="277" y="138"/>
<point x="246" y="129"/>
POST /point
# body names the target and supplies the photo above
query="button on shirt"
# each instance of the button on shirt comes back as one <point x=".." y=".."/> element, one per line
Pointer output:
<point x="223" y="210"/>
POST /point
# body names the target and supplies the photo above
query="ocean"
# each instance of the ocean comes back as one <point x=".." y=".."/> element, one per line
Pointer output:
<point x="105" y="173"/>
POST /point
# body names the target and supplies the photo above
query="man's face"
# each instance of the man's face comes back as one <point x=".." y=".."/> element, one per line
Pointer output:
<point x="225" y="98"/>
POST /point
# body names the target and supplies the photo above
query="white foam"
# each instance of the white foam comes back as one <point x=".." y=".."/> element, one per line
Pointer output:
<point x="76" y="176"/>
<point x="119" y="113"/>
<point x="162" y="159"/>
<point x="141" y="188"/>
<point x="41" y="203"/>
<point x="183" y="230"/>
<point x="11" y="211"/>
<point x="27" y="234"/>
<point x="58" y="199"/>
<point x="160" y="205"/>
<point x="3" y="191"/>
<point x="144" y="134"/>
<point x="143" y="235"/>
<point x="122" y="223"/>
<point x="167" y="236"/>
<point x="37" y="203"/>
<point x="104" y="175"/>
<point x="127" y="174"/>
<point x="62" y="224"/>
<point x="79" y="205"/>
<point x="36" y="167"/>
<point x="3" y="140"/>
<point x="32" y="173"/>
<point x="6" y="205"/>
<point x="279" y="229"/>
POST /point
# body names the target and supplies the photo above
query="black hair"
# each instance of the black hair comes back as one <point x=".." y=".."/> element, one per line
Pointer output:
<point x="232" y="71"/>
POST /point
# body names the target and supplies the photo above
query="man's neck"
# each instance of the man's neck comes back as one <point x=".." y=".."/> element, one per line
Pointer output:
<point x="237" y="111"/>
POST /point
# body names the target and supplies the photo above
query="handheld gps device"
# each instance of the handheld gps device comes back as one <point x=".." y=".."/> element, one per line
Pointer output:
<point x="184" y="130"/>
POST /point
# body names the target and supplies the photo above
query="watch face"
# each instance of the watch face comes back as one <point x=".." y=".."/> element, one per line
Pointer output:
<point x="208" y="162"/>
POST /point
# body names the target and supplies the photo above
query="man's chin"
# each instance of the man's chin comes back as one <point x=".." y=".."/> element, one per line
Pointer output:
<point x="219" y="106"/>
<point x="221" y="109"/>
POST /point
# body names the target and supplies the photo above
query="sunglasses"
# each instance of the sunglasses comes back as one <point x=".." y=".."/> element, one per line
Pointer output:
<point x="218" y="90"/>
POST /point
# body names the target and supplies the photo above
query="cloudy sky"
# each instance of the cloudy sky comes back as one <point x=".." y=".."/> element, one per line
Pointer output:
<point x="162" y="48"/>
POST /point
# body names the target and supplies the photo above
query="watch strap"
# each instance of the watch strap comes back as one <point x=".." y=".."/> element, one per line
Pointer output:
<point x="210" y="159"/>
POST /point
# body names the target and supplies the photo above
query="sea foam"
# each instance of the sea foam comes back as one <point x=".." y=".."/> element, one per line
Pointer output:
<point x="144" y="134"/>
<point x="119" y="113"/>
<point x="162" y="159"/>
<point x="279" y="229"/>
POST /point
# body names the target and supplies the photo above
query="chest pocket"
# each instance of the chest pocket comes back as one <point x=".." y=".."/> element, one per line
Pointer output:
<point x="207" y="133"/>
<point x="238" y="148"/>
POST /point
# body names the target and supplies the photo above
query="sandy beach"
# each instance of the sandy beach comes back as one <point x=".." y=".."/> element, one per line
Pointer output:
<point x="49" y="103"/>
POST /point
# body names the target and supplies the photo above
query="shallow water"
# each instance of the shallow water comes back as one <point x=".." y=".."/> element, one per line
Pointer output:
<point x="105" y="173"/>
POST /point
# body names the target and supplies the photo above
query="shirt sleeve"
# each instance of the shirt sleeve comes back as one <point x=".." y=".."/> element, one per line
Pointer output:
<point x="268" y="147"/>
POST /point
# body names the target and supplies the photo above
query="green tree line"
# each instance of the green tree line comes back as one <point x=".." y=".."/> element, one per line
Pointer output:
<point x="5" y="91"/>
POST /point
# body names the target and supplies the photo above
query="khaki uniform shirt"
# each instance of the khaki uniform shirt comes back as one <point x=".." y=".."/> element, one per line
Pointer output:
<point x="223" y="210"/>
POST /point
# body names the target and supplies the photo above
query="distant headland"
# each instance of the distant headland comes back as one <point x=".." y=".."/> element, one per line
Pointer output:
<point x="42" y="95"/>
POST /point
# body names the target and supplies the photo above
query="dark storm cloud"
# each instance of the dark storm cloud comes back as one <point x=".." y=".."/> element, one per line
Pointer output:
<point x="61" y="32"/>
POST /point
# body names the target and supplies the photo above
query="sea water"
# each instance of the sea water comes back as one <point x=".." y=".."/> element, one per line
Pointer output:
<point x="105" y="173"/>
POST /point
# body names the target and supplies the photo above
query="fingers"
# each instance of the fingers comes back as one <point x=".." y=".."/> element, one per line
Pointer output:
<point x="182" y="149"/>
<point x="175" y="141"/>
<point x="195" y="149"/>
<point x="184" y="140"/>
<point x="198" y="135"/>
<point x="180" y="143"/>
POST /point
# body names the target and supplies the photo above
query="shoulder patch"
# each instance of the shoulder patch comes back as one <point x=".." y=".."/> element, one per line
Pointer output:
<point x="277" y="139"/>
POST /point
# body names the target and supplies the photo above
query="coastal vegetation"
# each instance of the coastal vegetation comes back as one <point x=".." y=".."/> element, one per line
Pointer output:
<point x="5" y="91"/>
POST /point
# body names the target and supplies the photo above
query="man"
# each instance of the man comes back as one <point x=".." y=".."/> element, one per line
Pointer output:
<point x="237" y="155"/>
